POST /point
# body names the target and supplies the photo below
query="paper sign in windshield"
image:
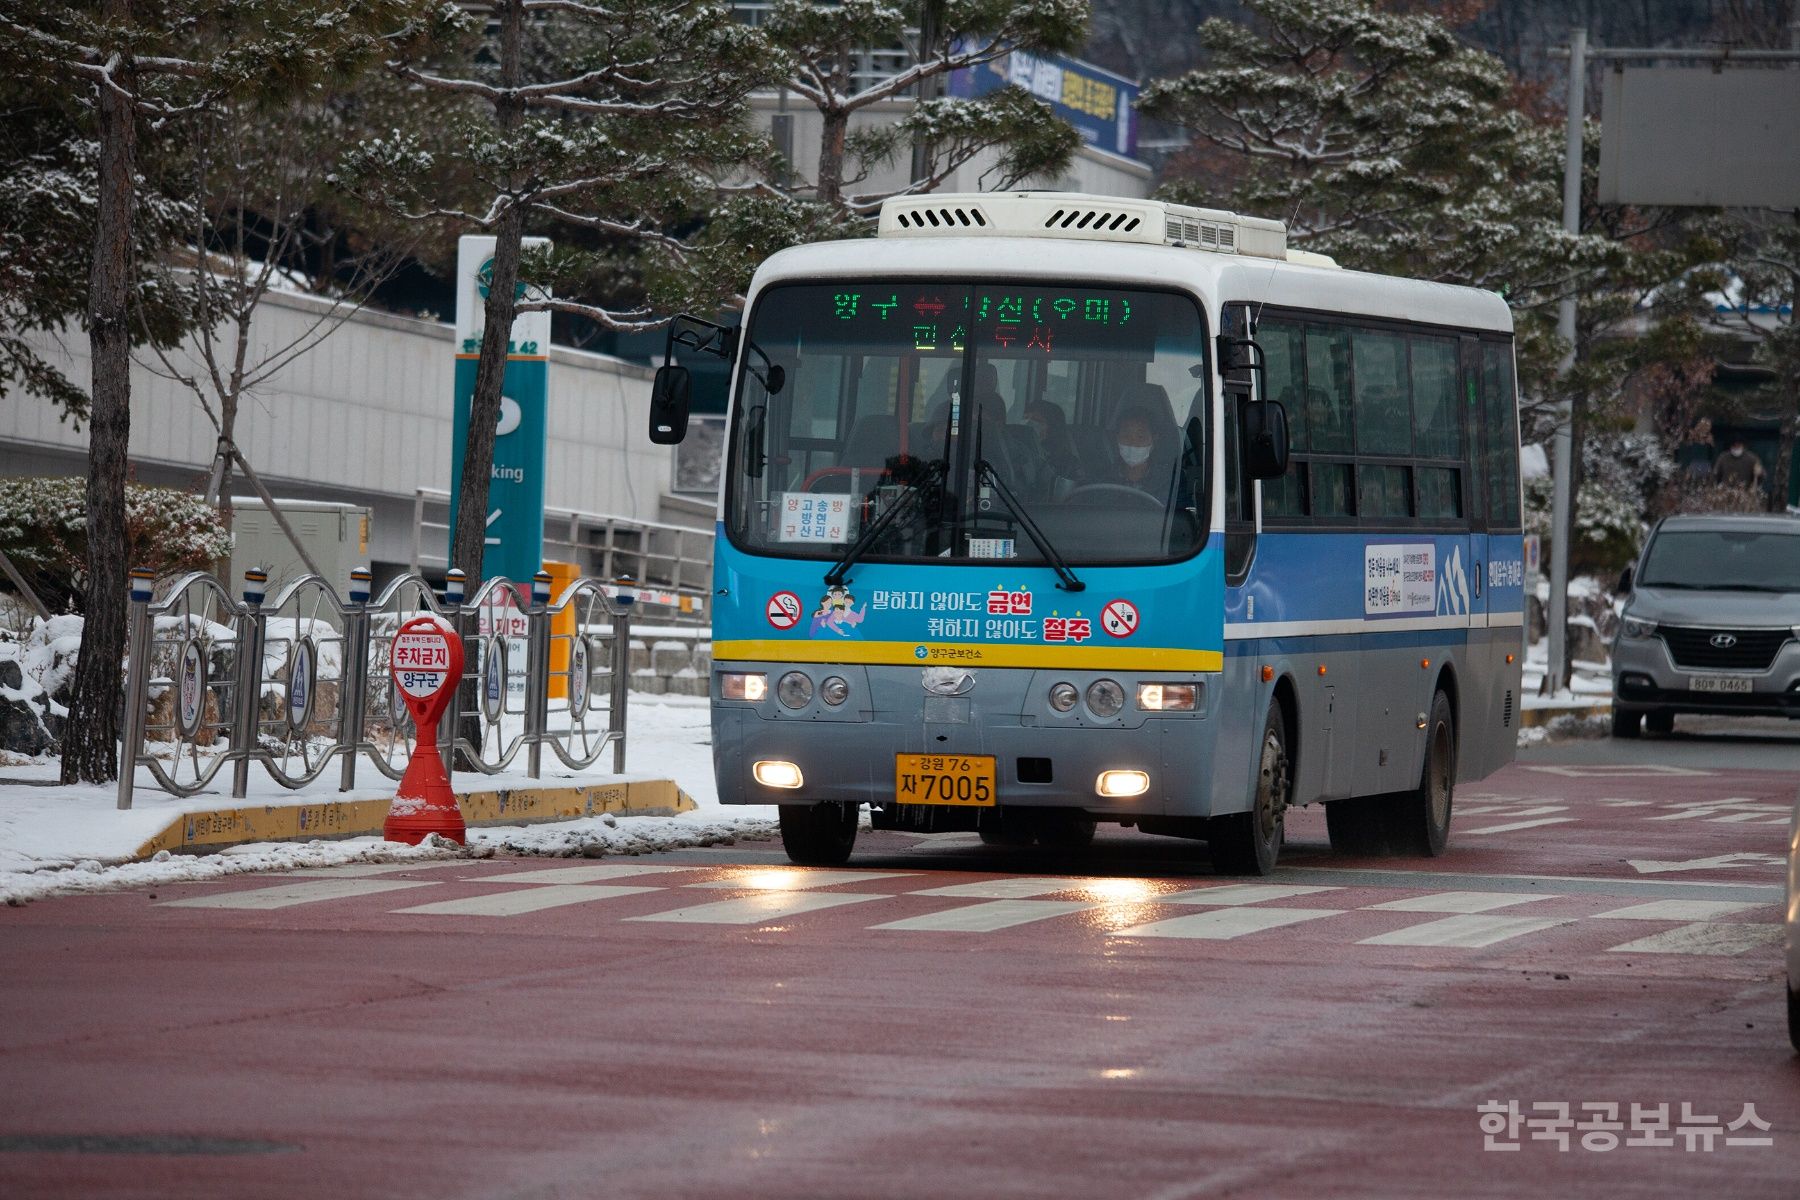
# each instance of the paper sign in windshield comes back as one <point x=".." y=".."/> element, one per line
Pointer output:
<point x="806" y="517"/>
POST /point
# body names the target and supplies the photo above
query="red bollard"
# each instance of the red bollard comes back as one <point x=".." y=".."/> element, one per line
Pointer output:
<point x="426" y="664"/>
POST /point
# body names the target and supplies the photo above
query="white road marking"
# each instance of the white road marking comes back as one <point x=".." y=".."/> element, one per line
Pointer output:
<point x="1718" y="862"/>
<point x="363" y="870"/>
<point x="793" y="879"/>
<point x="1468" y="931"/>
<point x="1739" y="817"/>
<point x="754" y="910"/>
<point x="1626" y="803"/>
<point x="1618" y="771"/>
<point x="1512" y="825"/>
<point x="1511" y="810"/>
<point x="1457" y="902"/>
<point x="1706" y="938"/>
<point x="1223" y="924"/>
<point x="594" y="874"/>
<point x="1021" y="887"/>
<point x="525" y="900"/>
<point x="290" y="894"/>
<point x="1240" y="893"/>
<point x="986" y="918"/>
<point x="1676" y="910"/>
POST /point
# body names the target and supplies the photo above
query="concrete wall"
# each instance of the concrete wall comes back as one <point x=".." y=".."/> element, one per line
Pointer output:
<point x="365" y="416"/>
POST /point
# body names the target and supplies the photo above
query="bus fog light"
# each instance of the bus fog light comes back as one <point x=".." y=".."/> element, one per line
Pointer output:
<point x="777" y="773"/>
<point x="1122" y="784"/>
<point x="1063" y="696"/>
<point x="834" y="691"/>
<point x="1105" y="698"/>
<point x="1166" y="697"/>
<point x="739" y="685"/>
<point x="795" y="690"/>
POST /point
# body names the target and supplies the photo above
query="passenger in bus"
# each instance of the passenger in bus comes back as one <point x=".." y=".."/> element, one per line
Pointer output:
<point x="1058" y="464"/>
<point x="1143" y="445"/>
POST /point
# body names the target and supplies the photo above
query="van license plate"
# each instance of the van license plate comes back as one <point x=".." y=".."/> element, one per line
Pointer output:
<point x="965" y="779"/>
<point x="1718" y="683"/>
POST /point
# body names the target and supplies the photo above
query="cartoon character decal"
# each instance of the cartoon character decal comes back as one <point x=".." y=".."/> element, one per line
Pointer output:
<point x="837" y="613"/>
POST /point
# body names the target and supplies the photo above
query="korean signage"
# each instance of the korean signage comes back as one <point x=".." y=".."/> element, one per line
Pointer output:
<point x="1099" y="104"/>
<point x="1007" y="322"/>
<point x="515" y="516"/>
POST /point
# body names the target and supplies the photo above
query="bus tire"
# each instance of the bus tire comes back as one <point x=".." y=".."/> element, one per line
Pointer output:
<point x="1356" y="827"/>
<point x="1247" y="843"/>
<point x="1065" y="830"/>
<point x="819" y="835"/>
<point x="1005" y="828"/>
<point x="1421" y="817"/>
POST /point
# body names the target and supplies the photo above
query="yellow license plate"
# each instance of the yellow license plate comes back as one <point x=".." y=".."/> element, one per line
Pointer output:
<point x="966" y="779"/>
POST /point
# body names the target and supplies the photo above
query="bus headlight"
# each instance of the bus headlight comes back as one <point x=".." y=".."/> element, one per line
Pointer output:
<point x="795" y="690"/>
<point x="1166" y="697"/>
<point x="834" y="691"/>
<point x="776" y="773"/>
<point x="1105" y="698"/>
<point x="1119" y="785"/>
<point x="741" y="685"/>
<point x="1063" y="696"/>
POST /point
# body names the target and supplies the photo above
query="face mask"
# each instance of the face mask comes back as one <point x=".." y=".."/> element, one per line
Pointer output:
<point x="1134" y="456"/>
<point x="1737" y="452"/>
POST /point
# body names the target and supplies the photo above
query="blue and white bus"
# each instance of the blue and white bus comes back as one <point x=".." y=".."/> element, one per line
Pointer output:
<point x="1042" y="510"/>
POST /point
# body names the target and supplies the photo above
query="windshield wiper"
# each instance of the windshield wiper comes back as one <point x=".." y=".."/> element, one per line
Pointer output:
<point x="985" y="470"/>
<point x="909" y="496"/>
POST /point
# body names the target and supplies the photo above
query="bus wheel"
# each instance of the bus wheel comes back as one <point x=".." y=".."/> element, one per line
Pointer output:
<point x="1246" y="843"/>
<point x="1356" y="826"/>
<point x="1421" y="817"/>
<point x="1065" y="830"/>
<point x="1003" y="827"/>
<point x="819" y="835"/>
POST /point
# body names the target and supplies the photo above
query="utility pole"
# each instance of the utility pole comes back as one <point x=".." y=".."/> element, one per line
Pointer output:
<point x="1562" y="460"/>
<point x="930" y="21"/>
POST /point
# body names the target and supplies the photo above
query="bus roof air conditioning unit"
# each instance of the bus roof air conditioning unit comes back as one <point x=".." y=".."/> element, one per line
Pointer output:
<point x="1088" y="218"/>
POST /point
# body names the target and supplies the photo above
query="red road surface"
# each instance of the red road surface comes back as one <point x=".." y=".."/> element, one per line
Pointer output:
<point x="1118" y="1024"/>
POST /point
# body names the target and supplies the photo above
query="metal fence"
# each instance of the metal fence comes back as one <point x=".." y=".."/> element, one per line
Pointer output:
<point x="672" y="563"/>
<point x="296" y="683"/>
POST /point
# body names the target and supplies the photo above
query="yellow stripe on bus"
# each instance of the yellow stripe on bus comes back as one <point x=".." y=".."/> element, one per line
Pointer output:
<point x="1092" y="658"/>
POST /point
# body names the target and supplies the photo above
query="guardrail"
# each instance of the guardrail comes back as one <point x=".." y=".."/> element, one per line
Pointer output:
<point x="213" y="682"/>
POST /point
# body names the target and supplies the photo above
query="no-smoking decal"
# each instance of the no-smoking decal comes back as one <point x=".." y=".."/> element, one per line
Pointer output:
<point x="1119" y="618"/>
<point x="784" y="610"/>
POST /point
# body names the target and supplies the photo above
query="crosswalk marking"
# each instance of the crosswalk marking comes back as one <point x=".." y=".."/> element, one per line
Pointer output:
<point x="1705" y="937"/>
<point x="1226" y="923"/>
<point x="754" y="910"/>
<point x="595" y="874"/>
<point x="1676" y="910"/>
<point x="1021" y="887"/>
<point x="1512" y="825"/>
<point x="289" y="894"/>
<point x="786" y="879"/>
<point x="1242" y="893"/>
<point x="526" y="900"/>
<point x="361" y="870"/>
<point x="1457" y="902"/>
<point x="1467" y="931"/>
<point x="986" y="918"/>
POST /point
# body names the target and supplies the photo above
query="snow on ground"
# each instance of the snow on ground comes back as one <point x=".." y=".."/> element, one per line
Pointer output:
<point x="75" y="839"/>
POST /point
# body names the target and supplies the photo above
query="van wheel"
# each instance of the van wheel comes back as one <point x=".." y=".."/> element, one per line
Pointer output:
<point x="1420" y="819"/>
<point x="1357" y="826"/>
<point x="1793" y="1018"/>
<point x="1660" y="722"/>
<point x="819" y="835"/>
<point x="1625" y="722"/>
<point x="1247" y="843"/>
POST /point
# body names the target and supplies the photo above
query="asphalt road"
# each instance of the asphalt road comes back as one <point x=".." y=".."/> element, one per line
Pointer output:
<point x="941" y="1019"/>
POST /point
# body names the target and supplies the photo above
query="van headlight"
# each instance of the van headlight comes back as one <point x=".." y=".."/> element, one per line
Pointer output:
<point x="1634" y="627"/>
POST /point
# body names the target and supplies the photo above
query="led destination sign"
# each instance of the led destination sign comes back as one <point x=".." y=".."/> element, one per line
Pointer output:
<point x="1006" y="322"/>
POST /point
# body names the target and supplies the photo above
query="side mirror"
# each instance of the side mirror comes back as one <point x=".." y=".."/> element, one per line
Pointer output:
<point x="1624" y="581"/>
<point x="1238" y="354"/>
<point x="670" y="394"/>
<point x="1265" y="439"/>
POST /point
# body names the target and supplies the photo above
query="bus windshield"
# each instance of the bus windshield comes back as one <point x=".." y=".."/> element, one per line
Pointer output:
<point x="980" y="408"/>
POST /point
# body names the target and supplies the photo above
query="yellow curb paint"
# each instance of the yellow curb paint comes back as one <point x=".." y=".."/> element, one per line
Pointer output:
<point x="360" y="818"/>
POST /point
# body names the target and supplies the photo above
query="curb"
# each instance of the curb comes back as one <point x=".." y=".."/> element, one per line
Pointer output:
<point x="1531" y="717"/>
<point x="215" y="829"/>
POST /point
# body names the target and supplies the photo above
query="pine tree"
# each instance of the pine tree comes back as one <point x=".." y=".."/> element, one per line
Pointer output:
<point x="616" y="120"/>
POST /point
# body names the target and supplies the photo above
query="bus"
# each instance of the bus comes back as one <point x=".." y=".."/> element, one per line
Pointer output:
<point x="1043" y="510"/>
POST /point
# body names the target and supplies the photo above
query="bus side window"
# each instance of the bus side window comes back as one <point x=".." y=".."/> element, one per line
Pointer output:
<point x="1501" y="404"/>
<point x="1284" y="380"/>
<point x="1240" y="530"/>
<point x="1328" y="423"/>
